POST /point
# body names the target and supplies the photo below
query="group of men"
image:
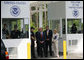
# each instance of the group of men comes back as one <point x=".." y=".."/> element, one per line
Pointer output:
<point x="43" y="40"/>
<point x="15" y="34"/>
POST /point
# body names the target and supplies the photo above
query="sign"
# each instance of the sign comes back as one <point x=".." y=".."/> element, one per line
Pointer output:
<point x="15" y="9"/>
<point x="74" y="9"/>
<point x="75" y="13"/>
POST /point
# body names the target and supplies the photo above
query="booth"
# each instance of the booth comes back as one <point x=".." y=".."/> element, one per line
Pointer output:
<point x="61" y="16"/>
<point x="16" y="13"/>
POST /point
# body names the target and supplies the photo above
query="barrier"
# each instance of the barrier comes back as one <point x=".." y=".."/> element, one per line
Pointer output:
<point x="28" y="51"/>
<point x="64" y="49"/>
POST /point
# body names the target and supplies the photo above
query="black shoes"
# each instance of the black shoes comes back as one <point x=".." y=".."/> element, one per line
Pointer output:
<point x="33" y="57"/>
<point x="46" y="56"/>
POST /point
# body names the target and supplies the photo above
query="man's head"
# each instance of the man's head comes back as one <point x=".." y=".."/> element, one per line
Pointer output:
<point x="41" y="29"/>
<point x="5" y="26"/>
<point x="74" y="24"/>
<point x="15" y="27"/>
<point x="38" y="29"/>
<point x="47" y="27"/>
<point x="32" y="29"/>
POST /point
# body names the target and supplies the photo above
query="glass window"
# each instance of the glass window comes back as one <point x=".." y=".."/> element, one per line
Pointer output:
<point x="46" y="6"/>
<point x="15" y="28"/>
<point x="33" y="8"/>
<point x="74" y="26"/>
<point x="63" y="26"/>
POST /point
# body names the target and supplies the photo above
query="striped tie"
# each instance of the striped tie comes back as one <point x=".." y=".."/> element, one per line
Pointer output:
<point x="47" y="33"/>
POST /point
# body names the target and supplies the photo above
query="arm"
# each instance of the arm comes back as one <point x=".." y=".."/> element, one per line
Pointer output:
<point x="57" y="36"/>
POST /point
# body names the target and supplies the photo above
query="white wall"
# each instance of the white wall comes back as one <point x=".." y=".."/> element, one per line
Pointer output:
<point x="22" y="49"/>
<point x="74" y="5"/>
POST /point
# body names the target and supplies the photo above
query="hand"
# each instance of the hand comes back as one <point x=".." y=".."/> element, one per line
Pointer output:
<point x="32" y="37"/>
<point x="47" y="39"/>
<point x="41" y="41"/>
<point x="52" y="41"/>
<point x="7" y="36"/>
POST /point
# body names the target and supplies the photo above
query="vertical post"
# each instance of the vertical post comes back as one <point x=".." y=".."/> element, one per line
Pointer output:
<point x="80" y="24"/>
<point x="37" y="19"/>
<point x="45" y="12"/>
<point x="22" y="24"/>
<point x="45" y="17"/>
<point x="64" y="49"/>
<point x="28" y="51"/>
<point x="1" y="28"/>
<point x="29" y="44"/>
<point x="40" y="16"/>
<point x="61" y="27"/>
<point x="66" y="36"/>
<point x="49" y="23"/>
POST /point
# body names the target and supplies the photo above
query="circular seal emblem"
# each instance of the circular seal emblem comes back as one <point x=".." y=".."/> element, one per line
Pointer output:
<point x="15" y="11"/>
<point x="75" y="13"/>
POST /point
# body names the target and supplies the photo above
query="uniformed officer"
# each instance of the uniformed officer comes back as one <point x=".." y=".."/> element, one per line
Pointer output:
<point x="5" y="32"/>
<point x="32" y="43"/>
<point x="15" y="33"/>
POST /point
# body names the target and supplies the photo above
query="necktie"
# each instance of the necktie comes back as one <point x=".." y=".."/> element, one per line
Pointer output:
<point x="47" y="33"/>
<point x="41" y="34"/>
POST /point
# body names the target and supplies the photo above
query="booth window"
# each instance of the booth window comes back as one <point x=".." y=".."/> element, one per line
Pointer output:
<point x="63" y="26"/>
<point x="74" y="26"/>
<point x="15" y="28"/>
<point x="33" y="8"/>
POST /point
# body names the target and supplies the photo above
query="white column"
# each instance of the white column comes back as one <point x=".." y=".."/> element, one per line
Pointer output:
<point x="49" y="23"/>
<point x="60" y="27"/>
<point x="37" y="19"/>
<point x="40" y="16"/>
<point x="1" y="28"/>
<point x="21" y="24"/>
<point x="66" y="34"/>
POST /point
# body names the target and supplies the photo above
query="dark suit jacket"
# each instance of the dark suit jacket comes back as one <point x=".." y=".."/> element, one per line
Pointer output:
<point x="15" y="34"/>
<point x="49" y="35"/>
<point x="37" y="36"/>
<point x="41" y="38"/>
<point x="32" y="40"/>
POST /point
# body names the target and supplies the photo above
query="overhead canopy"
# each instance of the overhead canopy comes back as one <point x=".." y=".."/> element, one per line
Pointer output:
<point x="56" y="10"/>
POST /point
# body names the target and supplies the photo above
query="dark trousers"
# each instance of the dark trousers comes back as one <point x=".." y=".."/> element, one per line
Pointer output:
<point x="32" y="51"/>
<point x="42" y="50"/>
<point x="48" y="45"/>
<point x="38" y="48"/>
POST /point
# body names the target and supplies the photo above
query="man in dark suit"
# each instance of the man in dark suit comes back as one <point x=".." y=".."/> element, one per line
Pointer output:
<point x="32" y="43"/>
<point x="74" y="29"/>
<point x="48" y="41"/>
<point x="5" y="32"/>
<point x="37" y="41"/>
<point x="42" y="42"/>
<point x="15" y="34"/>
